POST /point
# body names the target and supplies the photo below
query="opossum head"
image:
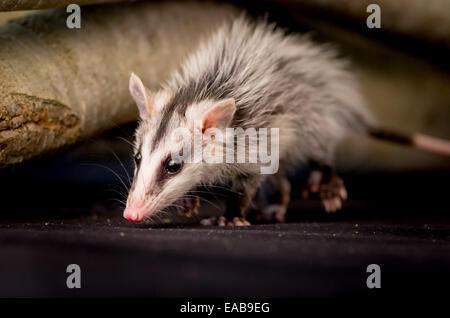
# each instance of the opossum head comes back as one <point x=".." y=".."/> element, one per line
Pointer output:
<point x="165" y="167"/>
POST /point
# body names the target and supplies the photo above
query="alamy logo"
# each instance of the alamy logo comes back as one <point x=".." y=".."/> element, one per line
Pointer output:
<point x="374" y="19"/>
<point x="235" y="145"/>
<point x="374" y="279"/>
<point x="74" y="279"/>
<point x="73" y="21"/>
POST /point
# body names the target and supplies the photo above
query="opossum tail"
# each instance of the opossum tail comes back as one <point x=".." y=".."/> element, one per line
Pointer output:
<point x="424" y="142"/>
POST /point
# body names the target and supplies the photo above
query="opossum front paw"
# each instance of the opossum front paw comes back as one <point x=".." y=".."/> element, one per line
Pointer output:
<point x="329" y="187"/>
<point x="222" y="221"/>
<point x="187" y="205"/>
<point x="237" y="221"/>
<point x="215" y="221"/>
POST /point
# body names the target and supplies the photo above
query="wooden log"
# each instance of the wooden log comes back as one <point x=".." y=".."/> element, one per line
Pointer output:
<point x="14" y="5"/>
<point x="59" y="85"/>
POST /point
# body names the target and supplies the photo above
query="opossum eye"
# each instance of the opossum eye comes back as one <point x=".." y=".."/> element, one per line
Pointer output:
<point x="172" y="166"/>
<point x="137" y="158"/>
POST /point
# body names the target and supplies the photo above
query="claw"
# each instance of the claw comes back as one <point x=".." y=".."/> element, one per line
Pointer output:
<point x="222" y="221"/>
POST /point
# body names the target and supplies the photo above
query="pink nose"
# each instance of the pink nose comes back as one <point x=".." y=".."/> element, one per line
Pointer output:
<point x="134" y="211"/>
<point x="132" y="214"/>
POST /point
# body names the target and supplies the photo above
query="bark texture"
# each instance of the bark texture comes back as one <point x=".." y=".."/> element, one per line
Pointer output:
<point x="58" y="85"/>
<point x="13" y="5"/>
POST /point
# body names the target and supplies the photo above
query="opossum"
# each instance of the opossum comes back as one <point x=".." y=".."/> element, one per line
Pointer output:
<point x="251" y="74"/>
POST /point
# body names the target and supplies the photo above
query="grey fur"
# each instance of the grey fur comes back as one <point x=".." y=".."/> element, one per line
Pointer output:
<point x="277" y="80"/>
<point x="272" y="77"/>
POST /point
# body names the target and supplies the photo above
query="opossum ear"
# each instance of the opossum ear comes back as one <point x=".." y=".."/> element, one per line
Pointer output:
<point x="141" y="95"/>
<point x="220" y="115"/>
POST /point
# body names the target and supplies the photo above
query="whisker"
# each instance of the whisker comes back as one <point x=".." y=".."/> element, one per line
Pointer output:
<point x="121" y="129"/>
<point x="218" y="187"/>
<point x="117" y="157"/>
<point x="214" y="194"/>
<point x="118" y="192"/>
<point x="126" y="140"/>
<point x="200" y="198"/>
<point x="109" y="169"/>
<point x="120" y="201"/>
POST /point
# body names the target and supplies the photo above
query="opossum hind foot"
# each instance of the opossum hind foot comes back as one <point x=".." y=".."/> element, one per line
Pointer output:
<point x="324" y="182"/>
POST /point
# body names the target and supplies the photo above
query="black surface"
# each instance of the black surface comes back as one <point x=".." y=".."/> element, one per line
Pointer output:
<point x="289" y="260"/>
<point x="61" y="211"/>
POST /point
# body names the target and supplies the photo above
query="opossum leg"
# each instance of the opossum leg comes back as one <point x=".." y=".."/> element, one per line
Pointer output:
<point x="244" y="189"/>
<point x="276" y="210"/>
<point x="189" y="204"/>
<point x="324" y="182"/>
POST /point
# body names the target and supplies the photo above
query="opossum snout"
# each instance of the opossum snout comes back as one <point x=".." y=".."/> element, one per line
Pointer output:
<point x="132" y="214"/>
<point x="135" y="211"/>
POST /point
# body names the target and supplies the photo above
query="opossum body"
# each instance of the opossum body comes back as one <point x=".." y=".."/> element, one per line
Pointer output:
<point x="248" y="75"/>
